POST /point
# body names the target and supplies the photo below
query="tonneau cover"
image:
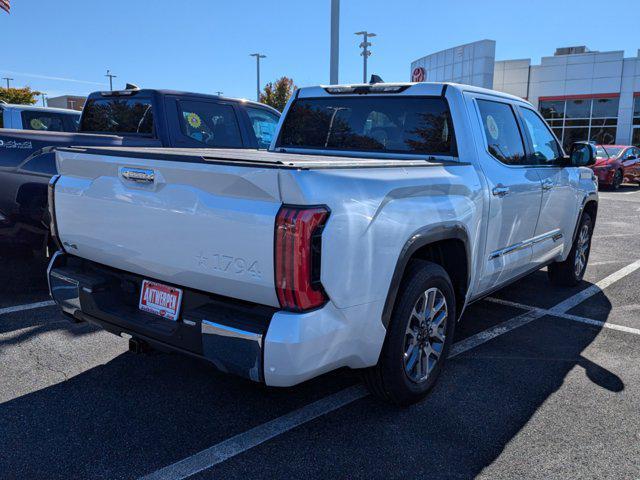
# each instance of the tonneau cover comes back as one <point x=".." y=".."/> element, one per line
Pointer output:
<point x="258" y="158"/>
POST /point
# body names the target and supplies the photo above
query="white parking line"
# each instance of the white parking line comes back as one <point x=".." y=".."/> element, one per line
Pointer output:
<point x="615" y="235"/>
<point x="244" y="441"/>
<point x="575" y="318"/>
<point x="28" y="306"/>
<point x="605" y="262"/>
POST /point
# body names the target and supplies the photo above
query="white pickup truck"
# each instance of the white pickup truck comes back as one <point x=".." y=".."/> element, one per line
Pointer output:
<point x="379" y="213"/>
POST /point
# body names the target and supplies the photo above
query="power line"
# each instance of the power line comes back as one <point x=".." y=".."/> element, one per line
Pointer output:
<point x="111" y="77"/>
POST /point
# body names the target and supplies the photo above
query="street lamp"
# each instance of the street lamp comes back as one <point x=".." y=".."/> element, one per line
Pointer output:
<point x="258" y="57"/>
<point x="335" y="42"/>
<point x="366" y="53"/>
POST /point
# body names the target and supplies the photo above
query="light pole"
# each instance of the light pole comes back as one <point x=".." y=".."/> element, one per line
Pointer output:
<point x="258" y="57"/>
<point x="111" y="77"/>
<point x="334" y="61"/>
<point x="44" y="99"/>
<point x="8" y="80"/>
<point x="366" y="53"/>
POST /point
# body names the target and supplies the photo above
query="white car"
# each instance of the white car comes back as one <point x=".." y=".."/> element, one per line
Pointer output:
<point x="29" y="117"/>
<point x="380" y="212"/>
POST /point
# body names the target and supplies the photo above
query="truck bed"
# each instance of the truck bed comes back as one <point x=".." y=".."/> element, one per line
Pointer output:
<point x="260" y="158"/>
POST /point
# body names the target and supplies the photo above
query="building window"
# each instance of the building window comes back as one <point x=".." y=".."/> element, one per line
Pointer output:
<point x="579" y="119"/>
<point x="635" y="136"/>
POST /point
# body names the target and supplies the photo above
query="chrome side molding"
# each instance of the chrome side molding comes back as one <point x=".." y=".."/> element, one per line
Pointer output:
<point x="554" y="235"/>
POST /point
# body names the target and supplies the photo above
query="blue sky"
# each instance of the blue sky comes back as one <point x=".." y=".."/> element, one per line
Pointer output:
<point x="203" y="45"/>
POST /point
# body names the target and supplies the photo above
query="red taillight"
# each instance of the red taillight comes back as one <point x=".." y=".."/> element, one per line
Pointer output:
<point x="297" y="257"/>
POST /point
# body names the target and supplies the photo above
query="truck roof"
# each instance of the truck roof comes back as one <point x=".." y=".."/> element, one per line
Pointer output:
<point x="164" y="92"/>
<point x="401" y="88"/>
<point x="15" y="106"/>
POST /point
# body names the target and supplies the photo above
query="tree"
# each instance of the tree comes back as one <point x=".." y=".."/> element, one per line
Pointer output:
<point x="20" y="96"/>
<point x="277" y="94"/>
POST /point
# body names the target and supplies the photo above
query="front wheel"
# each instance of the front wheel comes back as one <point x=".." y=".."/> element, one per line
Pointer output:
<point x="419" y="337"/>
<point x="618" y="178"/>
<point x="571" y="271"/>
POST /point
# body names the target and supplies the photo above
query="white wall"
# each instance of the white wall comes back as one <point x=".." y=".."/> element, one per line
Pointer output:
<point x="471" y="64"/>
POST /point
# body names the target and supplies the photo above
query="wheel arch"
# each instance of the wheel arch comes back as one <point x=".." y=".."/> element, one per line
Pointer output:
<point x="590" y="206"/>
<point x="447" y="245"/>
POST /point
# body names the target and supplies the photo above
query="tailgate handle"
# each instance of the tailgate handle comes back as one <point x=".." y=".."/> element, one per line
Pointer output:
<point x="140" y="175"/>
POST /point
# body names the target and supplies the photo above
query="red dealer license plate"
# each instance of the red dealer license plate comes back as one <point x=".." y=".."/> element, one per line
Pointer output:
<point x="161" y="300"/>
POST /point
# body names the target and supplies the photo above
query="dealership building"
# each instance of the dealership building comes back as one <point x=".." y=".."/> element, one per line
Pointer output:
<point x="583" y="94"/>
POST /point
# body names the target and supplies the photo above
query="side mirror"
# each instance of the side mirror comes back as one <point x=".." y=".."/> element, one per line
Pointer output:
<point x="582" y="154"/>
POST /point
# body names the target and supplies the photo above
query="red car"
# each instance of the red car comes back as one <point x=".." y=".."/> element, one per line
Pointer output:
<point x="616" y="164"/>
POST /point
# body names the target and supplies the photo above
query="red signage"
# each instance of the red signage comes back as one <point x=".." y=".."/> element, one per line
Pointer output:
<point x="417" y="75"/>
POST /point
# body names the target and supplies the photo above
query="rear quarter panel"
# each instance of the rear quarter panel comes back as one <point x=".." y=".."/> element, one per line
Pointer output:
<point x="374" y="212"/>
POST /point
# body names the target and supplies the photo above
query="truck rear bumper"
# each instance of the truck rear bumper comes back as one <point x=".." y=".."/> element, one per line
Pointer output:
<point x="254" y="341"/>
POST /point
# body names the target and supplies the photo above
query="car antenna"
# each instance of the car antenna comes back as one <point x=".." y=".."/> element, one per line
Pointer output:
<point x="375" y="79"/>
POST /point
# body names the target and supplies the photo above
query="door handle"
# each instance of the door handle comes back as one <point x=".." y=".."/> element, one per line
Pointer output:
<point x="500" y="191"/>
<point x="547" y="185"/>
<point x="139" y="175"/>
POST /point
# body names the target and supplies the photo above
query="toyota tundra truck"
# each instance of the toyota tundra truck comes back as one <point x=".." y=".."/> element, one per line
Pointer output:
<point x="379" y="212"/>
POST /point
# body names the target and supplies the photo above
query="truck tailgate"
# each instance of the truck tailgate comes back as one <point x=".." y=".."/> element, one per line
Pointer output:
<point x="204" y="226"/>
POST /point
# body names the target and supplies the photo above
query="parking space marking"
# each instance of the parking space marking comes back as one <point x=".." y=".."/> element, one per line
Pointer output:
<point x="605" y="262"/>
<point x="251" y="438"/>
<point x="529" y="316"/>
<point x="28" y="306"/>
<point x="615" y="235"/>
<point x="567" y="316"/>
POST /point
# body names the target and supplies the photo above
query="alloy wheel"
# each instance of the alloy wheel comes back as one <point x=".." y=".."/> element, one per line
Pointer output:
<point x="582" y="249"/>
<point x="425" y="335"/>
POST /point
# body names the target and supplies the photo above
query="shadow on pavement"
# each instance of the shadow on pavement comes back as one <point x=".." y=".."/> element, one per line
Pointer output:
<point x="136" y="414"/>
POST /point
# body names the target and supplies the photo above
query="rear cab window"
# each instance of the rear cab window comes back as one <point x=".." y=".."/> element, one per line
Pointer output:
<point x="129" y="116"/>
<point x="385" y="124"/>
<point x="210" y="124"/>
<point x="48" y="121"/>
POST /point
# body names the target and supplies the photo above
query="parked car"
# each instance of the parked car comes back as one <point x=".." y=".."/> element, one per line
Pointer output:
<point x="616" y="164"/>
<point x="154" y="118"/>
<point x="380" y="212"/>
<point x="28" y="117"/>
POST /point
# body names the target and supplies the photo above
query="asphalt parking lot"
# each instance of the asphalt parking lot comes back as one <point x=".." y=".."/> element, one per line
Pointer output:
<point x="543" y="383"/>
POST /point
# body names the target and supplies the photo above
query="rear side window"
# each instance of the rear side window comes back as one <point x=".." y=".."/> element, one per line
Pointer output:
<point x="264" y="125"/>
<point x="118" y="115"/>
<point x="501" y="130"/>
<point x="212" y="124"/>
<point x="1" y="118"/>
<point x="45" y="121"/>
<point x="416" y="125"/>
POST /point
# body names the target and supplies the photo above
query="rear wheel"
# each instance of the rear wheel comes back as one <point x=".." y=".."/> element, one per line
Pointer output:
<point x="419" y="337"/>
<point x="571" y="271"/>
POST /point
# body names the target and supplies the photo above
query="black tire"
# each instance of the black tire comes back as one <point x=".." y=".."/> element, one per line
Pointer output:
<point x="618" y="178"/>
<point x="389" y="380"/>
<point x="567" y="273"/>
